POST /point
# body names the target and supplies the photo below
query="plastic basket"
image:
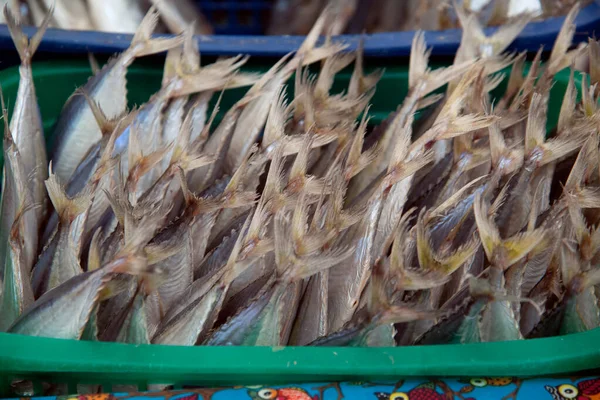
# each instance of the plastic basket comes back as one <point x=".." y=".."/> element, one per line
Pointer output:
<point x="239" y="23"/>
<point x="80" y="362"/>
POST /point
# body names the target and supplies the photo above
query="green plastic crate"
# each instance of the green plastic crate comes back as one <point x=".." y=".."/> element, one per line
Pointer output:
<point x="80" y="362"/>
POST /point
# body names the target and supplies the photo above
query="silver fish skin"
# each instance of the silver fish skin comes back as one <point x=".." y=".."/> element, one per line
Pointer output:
<point x="17" y="295"/>
<point x="64" y="311"/>
<point x="16" y="199"/>
<point x="59" y="261"/>
<point x="348" y="280"/>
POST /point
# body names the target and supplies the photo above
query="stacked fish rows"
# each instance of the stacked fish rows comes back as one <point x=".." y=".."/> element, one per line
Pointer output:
<point x="288" y="17"/>
<point x="121" y="16"/>
<point x="289" y="224"/>
<point x="295" y="17"/>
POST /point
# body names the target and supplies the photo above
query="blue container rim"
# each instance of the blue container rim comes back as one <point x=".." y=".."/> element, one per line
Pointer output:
<point x="446" y="42"/>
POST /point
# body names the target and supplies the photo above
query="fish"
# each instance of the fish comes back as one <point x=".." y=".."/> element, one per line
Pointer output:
<point x="26" y="121"/>
<point x="58" y="260"/>
<point x="287" y="218"/>
<point x="76" y="129"/>
<point x="71" y="303"/>
<point x="180" y="14"/>
<point x="122" y="16"/>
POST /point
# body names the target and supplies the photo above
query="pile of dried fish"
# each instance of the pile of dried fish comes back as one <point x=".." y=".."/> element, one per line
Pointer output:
<point x="288" y="224"/>
<point x="121" y="16"/>
<point x="295" y="17"/>
<point x="288" y="17"/>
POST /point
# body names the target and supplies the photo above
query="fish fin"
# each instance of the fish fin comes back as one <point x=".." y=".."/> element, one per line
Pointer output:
<point x="220" y="75"/>
<point x="536" y="205"/>
<point x="195" y="161"/>
<point x="516" y="79"/>
<point x="587" y="97"/>
<point x="95" y="255"/>
<point x="460" y="256"/>
<point x="93" y="63"/>
<point x="67" y="208"/>
<point x="429" y="100"/>
<point x="419" y="59"/>
<point x="131" y="264"/>
<point x="563" y="41"/>
<point x="105" y="124"/>
<point x="308" y="53"/>
<point x="570" y="264"/>
<point x="587" y="163"/>
<point x="142" y="44"/>
<point x="567" y="108"/>
<point x="523" y="94"/>
<point x="586" y="197"/>
<point x="206" y="130"/>
<point x="275" y="176"/>
<point x="355" y="85"/>
<point x="557" y="148"/>
<point x="275" y="125"/>
<point x="440" y="265"/>
<point x="356" y="146"/>
<point x="507" y="33"/>
<point x="408" y="168"/>
<point x="26" y="46"/>
<point x="144" y="163"/>
<point x="331" y="66"/>
<point x="488" y="231"/>
<point x="535" y="133"/>
<point x="462" y="124"/>
<point x="493" y="81"/>
<point x="298" y="170"/>
<point x="233" y="268"/>
<point x="402" y="146"/>
<point x="456" y="197"/>
<point x="172" y="65"/>
<point x="359" y="82"/>
<point x="520" y="245"/>
<point x="580" y="225"/>
<point x="498" y="147"/>
<point x="440" y="76"/>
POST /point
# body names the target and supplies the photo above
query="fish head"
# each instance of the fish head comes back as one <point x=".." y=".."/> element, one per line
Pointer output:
<point x="263" y="394"/>
<point x="478" y="382"/>
<point x="392" y="396"/>
<point x="564" y="392"/>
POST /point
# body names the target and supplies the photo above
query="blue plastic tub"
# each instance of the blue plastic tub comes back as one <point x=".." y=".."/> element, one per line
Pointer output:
<point x="237" y="17"/>
<point x="234" y="38"/>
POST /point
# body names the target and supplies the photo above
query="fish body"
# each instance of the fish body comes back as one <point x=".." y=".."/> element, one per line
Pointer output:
<point x="76" y="130"/>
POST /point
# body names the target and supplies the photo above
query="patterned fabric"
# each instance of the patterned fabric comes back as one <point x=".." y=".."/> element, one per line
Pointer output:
<point x="481" y="388"/>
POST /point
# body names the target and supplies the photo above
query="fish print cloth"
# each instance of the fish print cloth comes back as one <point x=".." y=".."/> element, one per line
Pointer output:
<point x="482" y="388"/>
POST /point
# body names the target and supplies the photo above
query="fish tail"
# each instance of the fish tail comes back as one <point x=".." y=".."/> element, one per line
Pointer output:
<point x="67" y="208"/>
<point x="26" y="46"/>
<point x="558" y="56"/>
<point x="225" y="74"/>
<point x="133" y="265"/>
<point x="142" y="44"/>
<point x="144" y="163"/>
<point x="95" y="255"/>
<point x="106" y="125"/>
